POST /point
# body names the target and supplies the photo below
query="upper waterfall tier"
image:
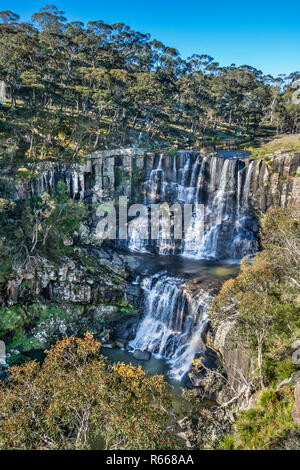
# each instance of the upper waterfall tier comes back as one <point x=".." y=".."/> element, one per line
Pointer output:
<point x="222" y="226"/>
<point x="230" y="186"/>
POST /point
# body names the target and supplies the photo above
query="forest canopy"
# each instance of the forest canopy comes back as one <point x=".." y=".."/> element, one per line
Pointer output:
<point x="71" y="88"/>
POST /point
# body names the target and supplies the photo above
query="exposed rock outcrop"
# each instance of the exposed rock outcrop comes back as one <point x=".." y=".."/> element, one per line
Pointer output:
<point x="235" y="358"/>
<point x="276" y="181"/>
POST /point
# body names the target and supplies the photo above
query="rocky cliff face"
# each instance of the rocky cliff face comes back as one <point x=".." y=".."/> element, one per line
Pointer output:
<point x="274" y="179"/>
<point x="269" y="180"/>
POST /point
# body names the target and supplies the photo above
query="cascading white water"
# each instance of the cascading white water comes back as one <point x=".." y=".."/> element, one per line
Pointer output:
<point x="220" y="228"/>
<point x="172" y="322"/>
<point x="222" y="185"/>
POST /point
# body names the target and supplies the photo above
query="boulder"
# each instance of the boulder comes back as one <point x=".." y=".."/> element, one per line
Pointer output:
<point x="142" y="355"/>
<point x="109" y="345"/>
<point x="121" y="343"/>
<point x="107" y="335"/>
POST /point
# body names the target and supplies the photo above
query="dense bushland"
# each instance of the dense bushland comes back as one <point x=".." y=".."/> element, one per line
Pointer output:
<point x="72" y="88"/>
<point x="263" y="300"/>
<point x="77" y="400"/>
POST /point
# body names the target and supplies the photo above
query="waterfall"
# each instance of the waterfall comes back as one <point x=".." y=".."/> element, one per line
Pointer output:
<point x="173" y="319"/>
<point x="221" y="227"/>
<point x="223" y="230"/>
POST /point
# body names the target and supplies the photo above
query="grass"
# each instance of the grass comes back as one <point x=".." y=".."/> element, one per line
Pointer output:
<point x="264" y="426"/>
<point x="290" y="143"/>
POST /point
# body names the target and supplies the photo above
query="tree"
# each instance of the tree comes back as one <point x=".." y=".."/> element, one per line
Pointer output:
<point x="76" y="397"/>
<point x="38" y="227"/>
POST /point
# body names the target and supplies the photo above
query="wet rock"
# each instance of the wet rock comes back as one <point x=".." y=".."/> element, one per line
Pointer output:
<point x="142" y="355"/>
<point x="106" y="335"/>
<point x="109" y="345"/>
<point x="126" y="327"/>
<point x="121" y="343"/>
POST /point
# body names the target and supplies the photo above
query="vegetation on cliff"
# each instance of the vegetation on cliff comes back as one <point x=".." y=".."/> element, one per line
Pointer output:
<point x="40" y="226"/>
<point x="263" y="300"/>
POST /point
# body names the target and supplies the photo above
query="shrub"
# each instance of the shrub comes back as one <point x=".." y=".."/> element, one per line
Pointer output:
<point x="76" y="398"/>
<point x="265" y="426"/>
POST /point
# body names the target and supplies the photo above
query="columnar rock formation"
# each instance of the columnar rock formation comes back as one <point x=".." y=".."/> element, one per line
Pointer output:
<point x="275" y="179"/>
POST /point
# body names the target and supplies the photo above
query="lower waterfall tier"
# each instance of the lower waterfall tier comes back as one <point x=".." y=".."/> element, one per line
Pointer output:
<point x="175" y="311"/>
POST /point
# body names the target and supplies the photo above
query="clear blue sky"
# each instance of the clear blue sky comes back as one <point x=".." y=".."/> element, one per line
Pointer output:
<point x="261" y="33"/>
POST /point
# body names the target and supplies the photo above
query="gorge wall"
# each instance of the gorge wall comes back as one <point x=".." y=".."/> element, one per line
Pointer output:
<point x="232" y="187"/>
<point x="274" y="178"/>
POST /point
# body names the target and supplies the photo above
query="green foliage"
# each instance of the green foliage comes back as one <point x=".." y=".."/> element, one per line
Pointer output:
<point x="38" y="227"/>
<point x="263" y="427"/>
<point x="126" y="307"/>
<point x="76" y="399"/>
<point x="276" y="370"/>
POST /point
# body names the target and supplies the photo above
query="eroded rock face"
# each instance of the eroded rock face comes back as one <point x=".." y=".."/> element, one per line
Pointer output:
<point x="276" y="181"/>
<point x="236" y="359"/>
<point x="69" y="282"/>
